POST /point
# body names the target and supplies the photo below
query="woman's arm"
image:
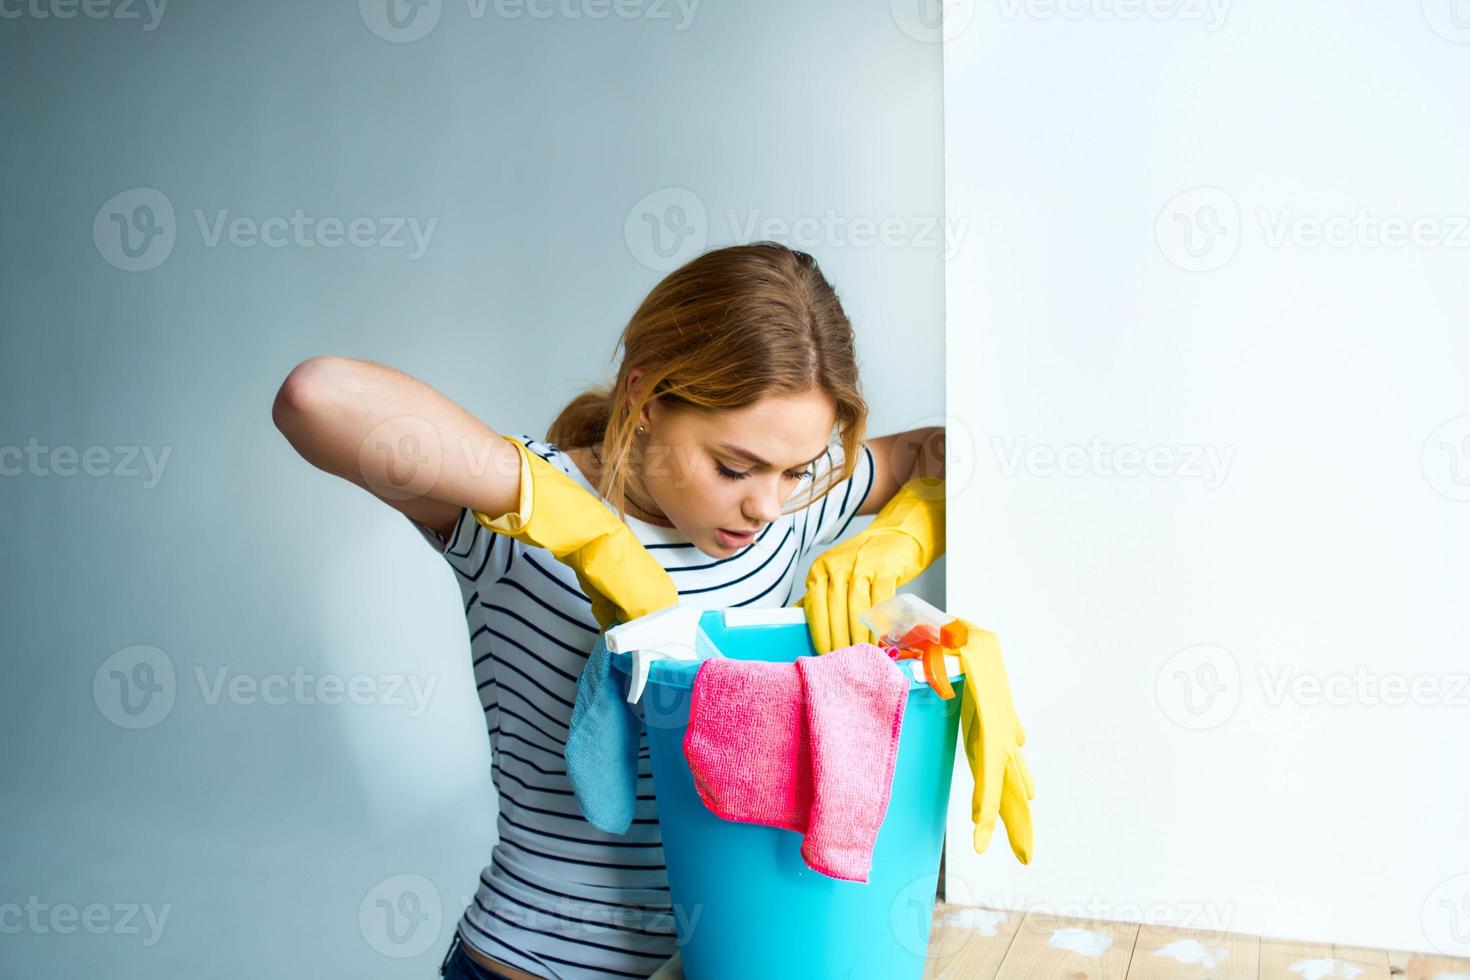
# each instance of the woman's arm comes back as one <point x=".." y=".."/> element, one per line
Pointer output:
<point x="900" y="457"/>
<point x="397" y="438"/>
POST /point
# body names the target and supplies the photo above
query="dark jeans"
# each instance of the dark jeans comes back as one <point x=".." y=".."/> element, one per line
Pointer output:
<point x="459" y="965"/>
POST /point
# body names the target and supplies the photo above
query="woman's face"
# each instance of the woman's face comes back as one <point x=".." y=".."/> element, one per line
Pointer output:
<point x="722" y="477"/>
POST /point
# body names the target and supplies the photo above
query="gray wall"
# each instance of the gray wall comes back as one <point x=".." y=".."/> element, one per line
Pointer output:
<point x="262" y="822"/>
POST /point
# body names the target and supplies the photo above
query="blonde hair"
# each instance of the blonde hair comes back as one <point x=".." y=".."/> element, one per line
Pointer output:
<point x="722" y="331"/>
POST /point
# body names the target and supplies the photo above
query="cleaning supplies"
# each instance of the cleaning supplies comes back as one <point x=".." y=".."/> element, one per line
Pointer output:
<point x="993" y="738"/>
<point x="808" y="746"/>
<point x="667" y="634"/>
<point x="914" y="628"/>
<point x="621" y="578"/>
<point x="905" y="537"/>
<point x="602" y="745"/>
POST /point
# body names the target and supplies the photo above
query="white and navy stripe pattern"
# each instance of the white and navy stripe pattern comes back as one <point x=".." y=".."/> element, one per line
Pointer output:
<point x="561" y="898"/>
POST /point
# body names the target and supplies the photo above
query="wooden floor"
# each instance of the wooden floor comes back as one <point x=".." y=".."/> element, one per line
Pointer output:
<point x="984" y="944"/>
<point x="970" y="943"/>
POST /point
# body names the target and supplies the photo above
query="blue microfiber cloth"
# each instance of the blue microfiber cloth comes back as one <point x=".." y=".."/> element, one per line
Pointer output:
<point x="602" y="744"/>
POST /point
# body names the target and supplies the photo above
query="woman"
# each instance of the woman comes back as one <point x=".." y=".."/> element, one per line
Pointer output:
<point x="715" y="448"/>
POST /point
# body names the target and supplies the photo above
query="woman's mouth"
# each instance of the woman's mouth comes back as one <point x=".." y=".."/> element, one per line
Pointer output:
<point x="731" y="539"/>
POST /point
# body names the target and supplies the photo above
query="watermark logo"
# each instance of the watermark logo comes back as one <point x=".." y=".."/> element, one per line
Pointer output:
<point x="833" y="229"/>
<point x="1362" y="229"/>
<point x="913" y="910"/>
<point x="303" y="230"/>
<point x="952" y="445"/>
<point x="1199" y="687"/>
<point x="400" y="459"/>
<point x="932" y="21"/>
<point x="35" y="459"/>
<point x="666" y="228"/>
<point x="135" y="229"/>
<point x="1363" y="686"/>
<point x="1208" y="920"/>
<point x="147" y="12"/>
<point x="401" y="916"/>
<point x="135" y="687"/>
<point x="1445" y="916"/>
<point x="1210" y="13"/>
<point x="671" y="225"/>
<point x="1445" y="459"/>
<point x="1210" y="464"/>
<point x="64" y="918"/>
<point x="300" y="687"/>
<point x="406" y="21"/>
<point x="400" y="21"/>
<point x="1199" y="230"/>
<point x="1450" y="19"/>
<point x="679" y="12"/>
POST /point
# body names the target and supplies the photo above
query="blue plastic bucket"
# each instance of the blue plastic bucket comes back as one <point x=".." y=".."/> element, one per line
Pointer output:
<point x="746" y="904"/>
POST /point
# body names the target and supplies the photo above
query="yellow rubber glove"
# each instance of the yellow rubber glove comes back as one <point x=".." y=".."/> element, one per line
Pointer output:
<point x="618" y="574"/>
<point x="850" y="578"/>
<point x="993" y="738"/>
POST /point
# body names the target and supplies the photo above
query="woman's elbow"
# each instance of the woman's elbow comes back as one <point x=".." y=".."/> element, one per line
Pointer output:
<point x="303" y="389"/>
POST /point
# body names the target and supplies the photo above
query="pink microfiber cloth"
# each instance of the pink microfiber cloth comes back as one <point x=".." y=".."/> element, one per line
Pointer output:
<point x="807" y="746"/>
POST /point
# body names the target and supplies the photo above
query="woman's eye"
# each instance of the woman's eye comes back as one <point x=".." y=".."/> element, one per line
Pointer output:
<point x="730" y="474"/>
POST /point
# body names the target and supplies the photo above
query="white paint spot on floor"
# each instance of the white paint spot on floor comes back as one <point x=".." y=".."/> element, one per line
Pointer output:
<point x="1190" y="951"/>
<point x="1325" y="966"/>
<point x="983" y="921"/>
<point x="1084" y="942"/>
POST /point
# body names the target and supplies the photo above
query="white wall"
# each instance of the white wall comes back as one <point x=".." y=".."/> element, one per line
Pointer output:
<point x="1149" y="619"/>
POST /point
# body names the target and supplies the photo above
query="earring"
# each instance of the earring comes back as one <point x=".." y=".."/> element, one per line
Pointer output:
<point x="639" y="430"/>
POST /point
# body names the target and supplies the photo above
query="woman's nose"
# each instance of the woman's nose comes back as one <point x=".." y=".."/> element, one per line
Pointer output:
<point x="764" y="506"/>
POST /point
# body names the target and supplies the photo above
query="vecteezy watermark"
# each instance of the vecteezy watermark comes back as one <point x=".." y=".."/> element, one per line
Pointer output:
<point x="932" y="21"/>
<point x="1208" y="917"/>
<point x="401" y="916"/>
<point x="34" y="459"/>
<point x="135" y="230"/>
<point x="1445" y="459"/>
<point x="832" y="229"/>
<point x="405" y="21"/>
<point x="1198" y="687"/>
<point x="63" y="918"/>
<point x="911" y="916"/>
<point x="950" y="450"/>
<point x="1450" y="19"/>
<point x="1210" y="13"/>
<point x="1200" y="230"/>
<point x="400" y="21"/>
<point x="576" y="919"/>
<point x="1363" y="686"/>
<point x="90" y="9"/>
<point x="300" y="687"/>
<point x="666" y="228"/>
<point x="1208" y="463"/>
<point x="669" y="226"/>
<point x="1445" y="916"/>
<point x="136" y="687"/>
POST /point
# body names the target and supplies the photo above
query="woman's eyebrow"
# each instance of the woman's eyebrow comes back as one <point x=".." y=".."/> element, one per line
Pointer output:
<point x="747" y="454"/>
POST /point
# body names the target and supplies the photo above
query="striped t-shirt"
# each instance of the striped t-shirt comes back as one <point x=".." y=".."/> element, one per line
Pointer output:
<point x="561" y="898"/>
